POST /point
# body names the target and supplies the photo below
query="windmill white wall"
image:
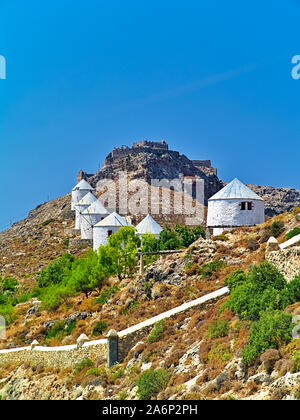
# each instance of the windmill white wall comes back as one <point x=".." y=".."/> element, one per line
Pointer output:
<point x="100" y="235"/>
<point x="79" y="191"/>
<point x="79" y="208"/>
<point x="90" y="217"/>
<point x="111" y="224"/>
<point x="235" y="205"/>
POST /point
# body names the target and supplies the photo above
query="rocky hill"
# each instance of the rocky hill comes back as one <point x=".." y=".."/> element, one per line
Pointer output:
<point x="277" y="200"/>
<point x="152" y="160"/>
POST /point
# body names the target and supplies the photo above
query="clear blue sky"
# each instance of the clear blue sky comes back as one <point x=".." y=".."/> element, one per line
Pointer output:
<point x="212" y="78"/>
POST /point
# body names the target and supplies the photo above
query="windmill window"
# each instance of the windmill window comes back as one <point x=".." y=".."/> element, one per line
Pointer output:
<point x="246" y="205"/>
<point x="109" y="232"/>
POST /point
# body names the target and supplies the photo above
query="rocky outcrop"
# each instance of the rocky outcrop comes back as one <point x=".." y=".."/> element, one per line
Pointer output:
<point x="151" y="160"/>
<point x="277" y="200"/>
<point x="148" y="162"/>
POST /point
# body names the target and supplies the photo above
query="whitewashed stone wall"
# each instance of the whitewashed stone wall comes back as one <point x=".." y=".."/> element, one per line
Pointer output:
<point x="228" y="213"/>
<point x="100" y="235"/>
<point x="79" y="208"/>
<point x="87" y="223"/>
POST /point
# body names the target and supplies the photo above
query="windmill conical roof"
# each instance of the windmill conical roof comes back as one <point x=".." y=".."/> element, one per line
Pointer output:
<point x="83" y="185"/>
<point x="235" y="189"/>
<point x="114" y="219"/>
<point x="89" y="198"/>
<point x="148" y="225"/>
<point x="96" y="208"/>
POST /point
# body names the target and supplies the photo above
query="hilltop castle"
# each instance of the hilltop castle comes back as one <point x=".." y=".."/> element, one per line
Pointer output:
<point x="138" y="146"/>
<point x="148" y="146"/>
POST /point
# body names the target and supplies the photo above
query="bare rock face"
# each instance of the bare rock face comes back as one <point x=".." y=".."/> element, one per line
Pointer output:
<point x="277" y="200"/>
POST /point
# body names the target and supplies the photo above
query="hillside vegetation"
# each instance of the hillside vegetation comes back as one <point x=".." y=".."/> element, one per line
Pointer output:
<point x="239" y="348"/>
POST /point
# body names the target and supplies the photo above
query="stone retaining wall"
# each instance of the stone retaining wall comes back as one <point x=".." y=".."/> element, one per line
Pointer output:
<point x="97" y="350"/>
<point x="287" y="261"/>
<point x="59" y="357"/>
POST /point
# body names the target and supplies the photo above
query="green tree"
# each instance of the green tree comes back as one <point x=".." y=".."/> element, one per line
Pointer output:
<point x="149" y="243"/>
<point x="168" y="240"/>
<point x="56" y="271"/>
<point x="87" y="274"/>
<point x="187" y="235"/>
<point x="122" y="248"/>
<point x="263" y="288"/>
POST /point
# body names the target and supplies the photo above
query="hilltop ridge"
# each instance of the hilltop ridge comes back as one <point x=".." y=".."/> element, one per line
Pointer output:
<point x="154" y="160"/>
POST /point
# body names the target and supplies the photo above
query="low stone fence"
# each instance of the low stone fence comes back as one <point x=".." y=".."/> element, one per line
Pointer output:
<point x="111" y="350"/>
<point x="287" y="261"/>
<point x="60" y="357"/>
<point x="129" y="337"/>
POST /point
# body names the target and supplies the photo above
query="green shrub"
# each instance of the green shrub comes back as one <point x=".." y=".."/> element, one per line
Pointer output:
<point x="104" y="297"/>
<point x="218" y="328"/>
<point x="294" y="289"/>
<point x="8" y="285"/>
<point x="151" y="382"/>
<point x="93" y="371"/>
<point x="24" y="297"/>
<point x="292" y="233"/>
<point x="169" y="239"/>
<point x="222" y="237"/>
<point x="237" y="278"/>
<point x="271" y="330"/>
<point x="56" y="272"/>
<point x="207" y="270"/>
<point x="277" y="228"/>
<point x="187" y="235"/>
<point x="263" y="288"/>
<point x="83" y="364"/>
<point x="53" y="296"/>
<point x="296" y="361"/>
<point x="71" y="327"/>
<point x="47" y="222"/>
<point x="57" y="329"/>
<point x="100" y="327"/>
<point x="180" y="237"/>
<point x="157" y="332"/>
<point x="219" y="352"/>
<point x="7" y="311"/>
<point x="119" y="373"/>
